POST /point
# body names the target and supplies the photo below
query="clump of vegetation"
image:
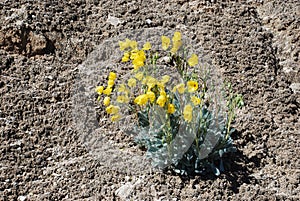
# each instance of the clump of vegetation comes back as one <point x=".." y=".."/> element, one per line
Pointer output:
<point x="179" y="118"/>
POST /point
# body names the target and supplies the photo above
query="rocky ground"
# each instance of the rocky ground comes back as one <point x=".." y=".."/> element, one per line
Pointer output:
<point x="255" y="44"/>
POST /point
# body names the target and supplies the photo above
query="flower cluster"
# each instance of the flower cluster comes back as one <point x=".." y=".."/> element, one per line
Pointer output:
<point x="178" y="102"/>
<point x="153" y="90"/>
<point x="110" y="109"/>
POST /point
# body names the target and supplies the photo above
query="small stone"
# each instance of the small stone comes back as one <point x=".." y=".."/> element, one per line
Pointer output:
<point x="113" y="20"/>
<point x="148" y="21"/>
<point x="22" y="198"/>
<point x="125" y="190"/>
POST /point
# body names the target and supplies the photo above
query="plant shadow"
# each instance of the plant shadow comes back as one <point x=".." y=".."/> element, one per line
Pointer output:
<point x="238" y="170"/>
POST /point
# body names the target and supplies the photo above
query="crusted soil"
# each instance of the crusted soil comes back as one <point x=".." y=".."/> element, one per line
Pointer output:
<point x="254" y="44"/>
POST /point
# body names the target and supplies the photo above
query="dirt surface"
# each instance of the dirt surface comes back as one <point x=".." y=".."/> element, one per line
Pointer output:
<point x="255" y="44"/>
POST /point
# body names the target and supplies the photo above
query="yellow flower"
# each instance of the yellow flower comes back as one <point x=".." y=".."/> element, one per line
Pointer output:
<point x="131" y="82"/>
<point x="141" y="99"/>
<point x="176" y="46"/>
<point x="112" y="76"/>
<point x="147" y="46"/>
<point x="165" y="79"/>
<point x="192" y="86"/>
<point x="139" y="76"/>
<point x="115" y="117"/>
<point x="122" y="88"/>
<point x="177" y="36"/>
<point x="122" y="99"/>
<point x="110" y="83"/>
<point x="133" y="53"/>
<point x="111" y="109"/>
<point x="163" y="93"/>
<point x="125" y="44"/>
<point x="151" y="96"/>
<point x="160" y="85"/>
<point x="188" y="113"/>
<point x="137" y="63"/>
<point x="193" y="60"/>
<point x="149" y="81"/>
<point x="195" y="100"/>
<point x="125" y="57"/>
<point x="180" y="88"/>
<point x="161" y="100"/>
<point x="171" y="108"/>
<point x="106" y="101"/>
<point x="165" y="42"/>
<point x="133" y="44"/>
<point x="176" y="42"/>
<point x="99" y="89"/>
<point x="107" y="91"/>
<point x="138" y="60"/>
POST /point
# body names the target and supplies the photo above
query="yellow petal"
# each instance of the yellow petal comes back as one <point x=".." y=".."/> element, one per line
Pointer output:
<point x="139" y="76"/>
<point x="165" y="42"/>
<point x="192" y="86"/>
<point x="99" y="89"/>
<point x="193" y="60"/>
<point x="141" y="99"/>
<point x="115" y="117"/>
<point x="111" y="109"/>
<point x="112" y="76"/>
<point x="171" y="108"/>
<point x="177" y="36"/>
<point x="161" y="100"/>
<point x="188" y="113"/>
<point x="151" y="96"/>
<point x="147" y="46"/>
<point x="106" y="101"/>
<point x="131" y="82"/>
<point x="107" y="91"/>
<point x="195" y="100"/>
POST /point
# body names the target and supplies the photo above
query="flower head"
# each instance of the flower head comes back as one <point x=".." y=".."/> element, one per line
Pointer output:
<point x="139" y="76"/>
<point x="133" y="44"/>
<point x="110" y="83"/>
<point x="124" y="44"/>
<point x="165" y="42"/>
<point x="193" y="60"/>
<point x="99" y="89"/>
<point x="180" y="88"/>
<point x="147" y="46"/>
<point x="171" y="108"/>
<point x="107" y="91"/>
<point x="112" y="76"/>
<point x="192" y="86"/>
<point x="141" y="99"/>
<point x="161" y="100"/>
<point x="122" y="99"/>
<point x="188" y="113"/>
<point x="177" y="36"/>
<point x="131" y="82"/>
<point x="122" y="88"/>
<point x="149" y="81"/>
<point x="165" y="79"/>
<point x="115" y="117"/>
<point x="176" y="42"/>
<point x="111" y="109"/>
<point x="106" y="101"/>
<point x="195" y="100"/>
<point x="151" y="96"/>
<point x="125" y="57"/>
<point x="139" y="59"/>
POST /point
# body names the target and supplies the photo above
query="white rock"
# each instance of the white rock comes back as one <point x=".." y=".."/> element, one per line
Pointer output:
<point x="22" y="198"/>
<point x="113" y="20"/>
<point x="125" y="190"/>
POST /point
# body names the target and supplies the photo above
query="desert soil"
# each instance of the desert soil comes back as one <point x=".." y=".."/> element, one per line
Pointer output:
<point x="254" y="44"/>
